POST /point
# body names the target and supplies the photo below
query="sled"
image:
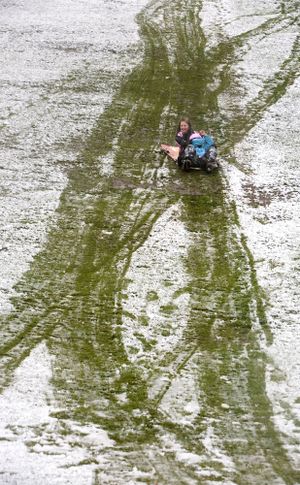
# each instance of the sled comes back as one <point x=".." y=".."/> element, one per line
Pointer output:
<point x="171" y="151"/>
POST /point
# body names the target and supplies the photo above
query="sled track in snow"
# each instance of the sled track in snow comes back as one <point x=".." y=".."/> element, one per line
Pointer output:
<point x="77" y="294"/>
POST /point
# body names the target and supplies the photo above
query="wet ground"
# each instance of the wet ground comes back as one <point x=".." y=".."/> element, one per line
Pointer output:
<point x="149" y="329"/>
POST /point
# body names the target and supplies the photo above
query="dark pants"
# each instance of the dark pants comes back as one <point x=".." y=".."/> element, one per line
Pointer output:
<point x="188" y="158"/>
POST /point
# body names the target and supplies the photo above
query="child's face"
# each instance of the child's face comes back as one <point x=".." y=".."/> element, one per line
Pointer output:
<point x="184" y="127"/>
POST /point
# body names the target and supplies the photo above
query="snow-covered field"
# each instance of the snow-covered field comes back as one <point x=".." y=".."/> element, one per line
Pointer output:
<point x="268" y="199"/>
<point x="63" y="61"/>
<point x="265" y="187"/>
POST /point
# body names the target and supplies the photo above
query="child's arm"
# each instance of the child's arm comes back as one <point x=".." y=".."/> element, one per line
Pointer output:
<point x="181" y="141"/>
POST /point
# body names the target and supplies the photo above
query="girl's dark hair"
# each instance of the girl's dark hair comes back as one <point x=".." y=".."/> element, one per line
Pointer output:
<point x="187" y="121"/>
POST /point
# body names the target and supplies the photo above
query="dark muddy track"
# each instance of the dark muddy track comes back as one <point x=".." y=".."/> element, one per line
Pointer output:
<point x="72" y="295"/>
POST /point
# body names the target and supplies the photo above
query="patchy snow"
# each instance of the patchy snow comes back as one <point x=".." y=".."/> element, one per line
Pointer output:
<point x="258" y="57"/>
<point x="230" y="18"/>
<point x="267" y="192"/>
<point x="155" y="308"/>
<point x="36" y="447"/>
<point x="61" y="64"/>
<point x="180" y="402"/>
<point x="268" y="205"/>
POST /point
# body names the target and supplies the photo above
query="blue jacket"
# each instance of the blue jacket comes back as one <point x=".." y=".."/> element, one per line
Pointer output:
<point x="202" y="144"/>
